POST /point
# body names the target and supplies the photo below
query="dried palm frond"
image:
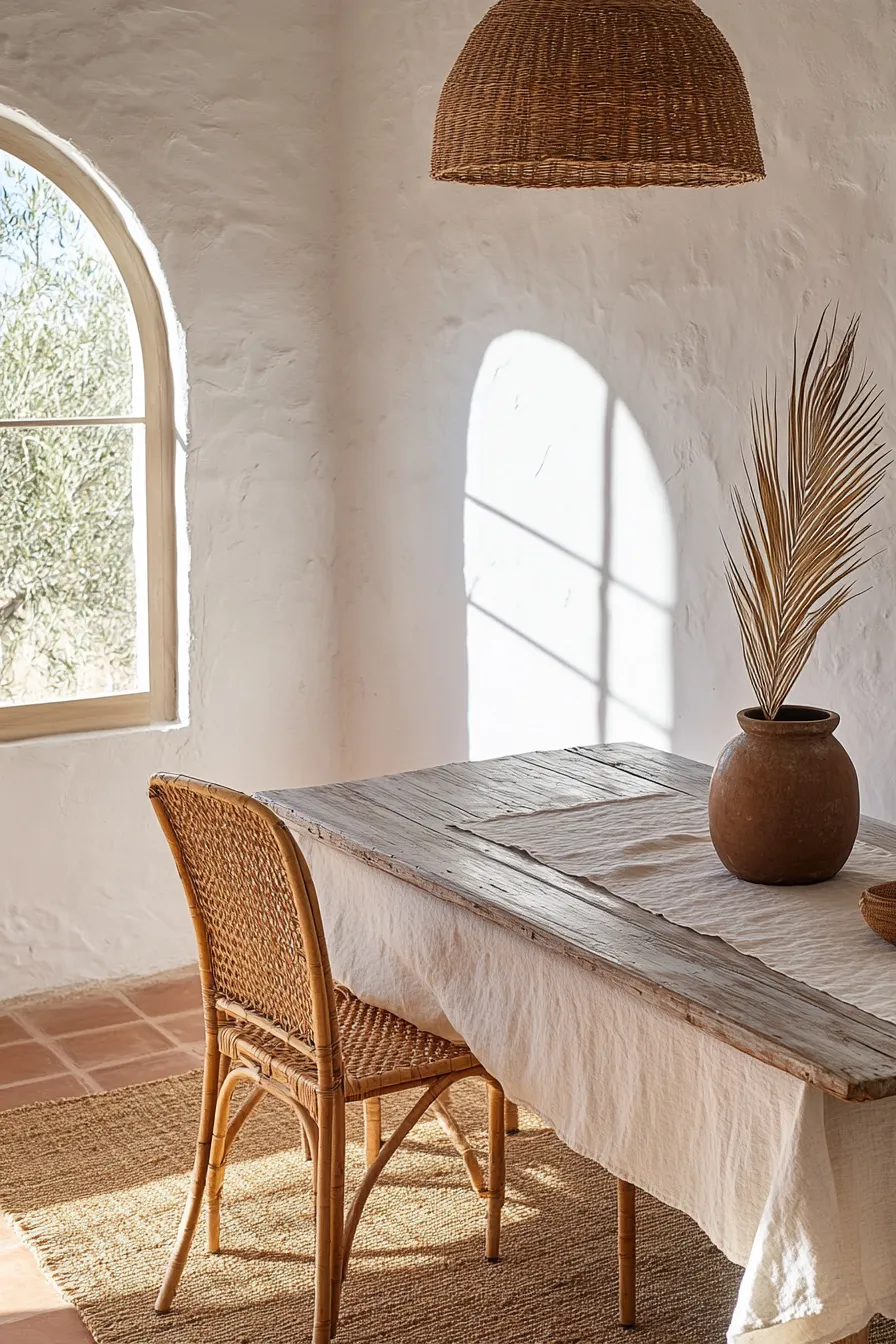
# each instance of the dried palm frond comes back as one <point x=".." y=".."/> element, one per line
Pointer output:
<point x="805" y="539"/>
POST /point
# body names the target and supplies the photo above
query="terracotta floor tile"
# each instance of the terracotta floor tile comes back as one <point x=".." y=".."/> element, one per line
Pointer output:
<point x="186" y="1027"/>
<point x="145" y="1070"/>
<point x="10" y="1030"/>
<point x="79" y="1013"/>
<point x="27" y="1060"/>
<point x="40" y="1089"/>
<point x="93" y="1030"/>
<point x="49" y="1327"/>
<point x="24" y="1289"/>
<point x="167" y="996"/>
<point x="114" y="1045"/>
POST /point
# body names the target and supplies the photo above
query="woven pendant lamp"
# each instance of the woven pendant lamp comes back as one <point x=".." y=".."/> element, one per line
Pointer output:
<point x="596" y="93"/>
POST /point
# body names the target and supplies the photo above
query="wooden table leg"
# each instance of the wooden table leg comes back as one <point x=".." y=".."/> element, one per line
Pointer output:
<point x="625" y="1196"/>
<point x="373" y="1128"/>
<point x="511" y="1117"/>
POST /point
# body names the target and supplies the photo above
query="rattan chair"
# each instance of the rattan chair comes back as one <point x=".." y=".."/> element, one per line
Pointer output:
<point x="276" y="1021"/>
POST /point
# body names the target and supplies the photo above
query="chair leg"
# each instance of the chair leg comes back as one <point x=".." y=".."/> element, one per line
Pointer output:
<point x="210" y="1085"/>
<point x="329" y="1220"/>
<point x="308" y="1126"/>
<point x="337" y="1206"/>
<point x="446" y="1118"/>
<point x="306" y="1145"/>
<point x="388" y="1150"/>
<point x="373" y="1128"/>
<point x="625" y="1198"/>
<point x="223" y="1135"/>
<point x="511" y="1117"/>
<point x="495" y="1195"/>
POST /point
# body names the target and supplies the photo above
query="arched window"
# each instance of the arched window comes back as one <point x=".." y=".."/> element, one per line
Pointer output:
<point x="87" y="519"/>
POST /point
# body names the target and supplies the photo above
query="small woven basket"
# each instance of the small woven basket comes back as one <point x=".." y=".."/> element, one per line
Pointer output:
<point x="878" y="906"/>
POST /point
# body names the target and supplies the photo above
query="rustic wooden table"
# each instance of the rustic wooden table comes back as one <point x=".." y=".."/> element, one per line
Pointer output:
<point x="402" y="824"/>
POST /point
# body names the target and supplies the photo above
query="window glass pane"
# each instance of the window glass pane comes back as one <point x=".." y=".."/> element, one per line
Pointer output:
<point x="66" y="324"/>
<point x="72" y="563"/>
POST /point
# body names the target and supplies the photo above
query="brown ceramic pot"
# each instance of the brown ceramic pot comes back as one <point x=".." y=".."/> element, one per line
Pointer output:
<point x="784" y="798"/>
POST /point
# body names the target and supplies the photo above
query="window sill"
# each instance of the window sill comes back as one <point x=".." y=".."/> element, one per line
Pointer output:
<point x="27" y="723"/>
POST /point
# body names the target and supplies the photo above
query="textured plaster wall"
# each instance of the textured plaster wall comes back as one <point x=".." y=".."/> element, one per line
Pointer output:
<point x="680" y="299"/>
<point x="212" y="122"/>
<point x="337" y="306"/>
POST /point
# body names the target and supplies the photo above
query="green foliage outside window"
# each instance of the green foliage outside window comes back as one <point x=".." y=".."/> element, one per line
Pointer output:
<point x="68" y="609"/>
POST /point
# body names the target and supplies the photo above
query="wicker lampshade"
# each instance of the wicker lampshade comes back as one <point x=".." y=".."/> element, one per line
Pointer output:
<point x="596" y="93"/>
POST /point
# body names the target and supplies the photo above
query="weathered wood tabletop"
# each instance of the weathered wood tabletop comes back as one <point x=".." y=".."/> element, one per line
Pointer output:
<point x="402" y="824"/>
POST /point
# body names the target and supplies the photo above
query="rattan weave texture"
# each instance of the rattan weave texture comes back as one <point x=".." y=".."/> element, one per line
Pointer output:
<point x="590" y="93"/>
<point x="379" y="1051"/>
<point x="879" y="910"/>
<point x="247" y="904"/>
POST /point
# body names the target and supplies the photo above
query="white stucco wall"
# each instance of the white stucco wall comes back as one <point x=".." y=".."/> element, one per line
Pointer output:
<point x="212" y="122"/>
<point x="337" y="306"/>
<point x="678" y="299"/>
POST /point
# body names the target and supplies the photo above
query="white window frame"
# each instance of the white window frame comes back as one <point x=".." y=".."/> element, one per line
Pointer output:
<point x="158" y="704"/>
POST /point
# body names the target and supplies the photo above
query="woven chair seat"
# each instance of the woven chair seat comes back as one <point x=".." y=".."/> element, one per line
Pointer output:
<point x="381" y="1053"/>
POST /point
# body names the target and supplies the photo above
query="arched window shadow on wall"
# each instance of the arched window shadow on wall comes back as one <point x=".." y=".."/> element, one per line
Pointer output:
<point x="569" y="559"/>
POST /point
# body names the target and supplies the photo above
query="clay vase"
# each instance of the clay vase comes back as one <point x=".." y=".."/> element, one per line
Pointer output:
<point x="784" y="798"/>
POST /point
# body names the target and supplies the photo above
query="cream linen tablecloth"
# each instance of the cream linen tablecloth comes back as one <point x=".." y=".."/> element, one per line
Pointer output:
<point x="794" y="1186"/>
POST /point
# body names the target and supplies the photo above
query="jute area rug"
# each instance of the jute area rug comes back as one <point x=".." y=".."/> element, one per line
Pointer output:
<point x="96" y="1186"/>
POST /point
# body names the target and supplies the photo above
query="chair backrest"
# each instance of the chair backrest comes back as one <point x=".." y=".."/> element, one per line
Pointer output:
<point x="255" y="912"/>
